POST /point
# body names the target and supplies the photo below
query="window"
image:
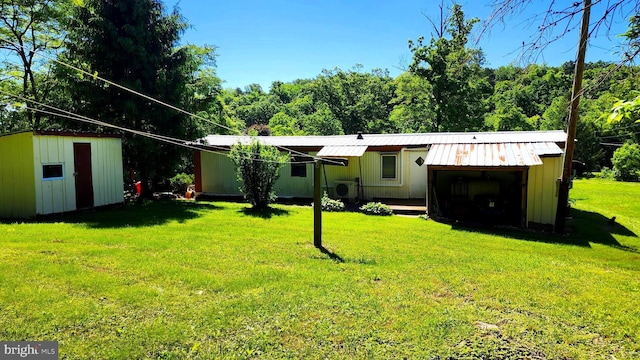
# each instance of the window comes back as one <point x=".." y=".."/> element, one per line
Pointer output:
<point x="52" y="171"/>
<point x="299" y="170"/>
<point x="389" y="166"/>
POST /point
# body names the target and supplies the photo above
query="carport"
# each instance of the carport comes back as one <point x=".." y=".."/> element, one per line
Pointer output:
<point x="483" y="182"/>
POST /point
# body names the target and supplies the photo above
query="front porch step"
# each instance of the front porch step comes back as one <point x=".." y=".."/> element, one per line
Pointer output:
<point x="408" y="209"/>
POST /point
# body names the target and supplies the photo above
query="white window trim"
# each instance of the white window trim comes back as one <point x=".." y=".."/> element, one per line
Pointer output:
<point x="53" y="178"/>
<point x="382" y="155"/>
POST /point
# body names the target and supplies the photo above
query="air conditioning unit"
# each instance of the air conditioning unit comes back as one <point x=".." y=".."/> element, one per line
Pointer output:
<point x="345" y="189"/>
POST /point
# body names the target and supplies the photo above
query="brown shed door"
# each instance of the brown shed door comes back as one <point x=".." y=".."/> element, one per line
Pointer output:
<point x="82" y="173"/>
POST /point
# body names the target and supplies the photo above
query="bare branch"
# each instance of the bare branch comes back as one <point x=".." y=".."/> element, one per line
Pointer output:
<point x="557" y="20"/>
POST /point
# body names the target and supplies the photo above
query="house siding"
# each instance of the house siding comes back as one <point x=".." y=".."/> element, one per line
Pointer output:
<point x="294" y="186"/>
<point x="542" y="191"/>
<point x="17" y="179"/>
<point x="59" y="195"/>
<point x="374" y="186"/>
<point x="218" y="176"/>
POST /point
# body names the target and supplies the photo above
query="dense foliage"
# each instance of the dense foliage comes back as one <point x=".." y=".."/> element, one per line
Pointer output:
<point x="28" y="27"/>
<point x="135" y="44"/>
<point x="626" y="162"/>
<point x="457" y="84"/>
<point x="257" y="167"/>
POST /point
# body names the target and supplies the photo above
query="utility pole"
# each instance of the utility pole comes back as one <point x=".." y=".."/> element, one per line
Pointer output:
<point x="563" y="194"/>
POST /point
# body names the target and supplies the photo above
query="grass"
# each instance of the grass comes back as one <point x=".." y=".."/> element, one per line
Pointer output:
<point x="213" y="280"/>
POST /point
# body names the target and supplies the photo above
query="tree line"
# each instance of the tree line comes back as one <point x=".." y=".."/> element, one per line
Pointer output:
<point x="136" y="44"/>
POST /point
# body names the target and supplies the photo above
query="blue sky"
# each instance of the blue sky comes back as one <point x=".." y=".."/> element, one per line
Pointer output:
<point x="263" y="41"/>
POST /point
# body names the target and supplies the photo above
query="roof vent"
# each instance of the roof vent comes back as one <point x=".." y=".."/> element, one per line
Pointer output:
<point x="359" y="137"/>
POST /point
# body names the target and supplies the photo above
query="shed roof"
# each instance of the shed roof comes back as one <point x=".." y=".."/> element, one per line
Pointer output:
<point x="490" y="154"/>
<point x="420" y="139"/>
<point x="65" y="133"/>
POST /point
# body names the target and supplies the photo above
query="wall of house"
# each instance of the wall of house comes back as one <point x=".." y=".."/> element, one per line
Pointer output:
<point x="369" y="169"/>
<point x="59" y="195"/>
<point x="218" y="174"/>
<point x="295" y="186"/>
<point x="219" y="177"/>
<point x="17" y="179"/>
<point x="542" y="191"/>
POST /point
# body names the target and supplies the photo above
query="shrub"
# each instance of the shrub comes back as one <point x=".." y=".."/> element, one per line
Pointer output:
<point x="376" y="208"/>
<point x="605" y="173"/>
<point x="181" y="182"/>
<point x="331" y="205"/>
<point x="257" y="167"/>
<point x="626" y="162"/>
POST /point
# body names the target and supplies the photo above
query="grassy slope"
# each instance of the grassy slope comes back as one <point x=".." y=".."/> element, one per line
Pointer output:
<point x="178" y="279"/>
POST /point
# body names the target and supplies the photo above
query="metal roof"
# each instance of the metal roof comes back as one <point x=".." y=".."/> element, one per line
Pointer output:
<point x="547" y="148"/>
<point x="484" y="155"/>
<point x="421" y="139"/>
<point x="337" y="151"/>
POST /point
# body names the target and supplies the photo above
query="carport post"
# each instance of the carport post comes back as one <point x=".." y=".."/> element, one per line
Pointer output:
<point x="317" y="204"/>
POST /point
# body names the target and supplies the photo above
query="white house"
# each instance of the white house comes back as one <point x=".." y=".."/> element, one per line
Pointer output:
<point x="508" y="176"/>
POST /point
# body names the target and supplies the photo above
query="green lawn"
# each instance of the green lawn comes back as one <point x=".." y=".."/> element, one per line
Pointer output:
<point x="210" y="280"/>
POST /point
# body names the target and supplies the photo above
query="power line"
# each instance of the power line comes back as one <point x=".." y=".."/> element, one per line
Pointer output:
<point x="167" y="139"/>
<point x="95" y="76"/>
<point x="622" y="127"/>
<point x="612" y="144"/>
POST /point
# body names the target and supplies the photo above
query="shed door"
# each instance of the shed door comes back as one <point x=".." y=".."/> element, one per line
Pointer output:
<point x="82" y="173"/>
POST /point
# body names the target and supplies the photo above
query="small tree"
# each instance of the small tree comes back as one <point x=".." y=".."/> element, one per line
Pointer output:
<point x="626" y="162"/>
<point x="257" y="167"/>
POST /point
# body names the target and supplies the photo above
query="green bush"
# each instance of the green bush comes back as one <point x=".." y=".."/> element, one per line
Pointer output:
<point x="181" y="182"/>
<point x="605" y="173"/>
<point x="331" y="205"/>
<point x="376" y="208"/>
<point x="257" y="167"/>
<point x="626" y="162"/>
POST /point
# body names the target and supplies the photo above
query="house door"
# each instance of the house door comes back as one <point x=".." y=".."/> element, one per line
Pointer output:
<point x="417" y="175"/>
<point x="82" y="173"/>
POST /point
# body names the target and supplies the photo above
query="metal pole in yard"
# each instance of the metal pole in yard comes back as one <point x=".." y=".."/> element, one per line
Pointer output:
<point x="317" y="204"/>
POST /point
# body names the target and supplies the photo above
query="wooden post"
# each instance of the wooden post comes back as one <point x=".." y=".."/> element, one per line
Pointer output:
<point x="317" y="204"/>
<point x="563" y="194"/>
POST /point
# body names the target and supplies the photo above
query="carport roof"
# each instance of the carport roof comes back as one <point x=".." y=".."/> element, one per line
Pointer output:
<point x="338" y="151"/>
<point x="490" y="154"/>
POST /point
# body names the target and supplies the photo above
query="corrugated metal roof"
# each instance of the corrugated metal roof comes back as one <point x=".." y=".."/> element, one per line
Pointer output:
<point x="547" y="148"/>
<point x="337" y="151"/>
<point x="422" y="139"/>
<point x="483" y="155"/>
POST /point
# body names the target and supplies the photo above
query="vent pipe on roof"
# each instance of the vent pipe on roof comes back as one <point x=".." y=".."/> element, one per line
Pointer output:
<point x="359" y="137"/>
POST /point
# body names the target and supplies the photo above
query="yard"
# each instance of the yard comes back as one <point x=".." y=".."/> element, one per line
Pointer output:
<point x="178" y="279"/>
